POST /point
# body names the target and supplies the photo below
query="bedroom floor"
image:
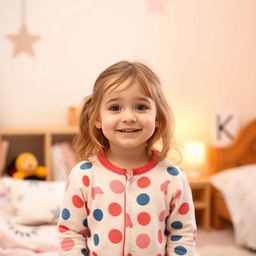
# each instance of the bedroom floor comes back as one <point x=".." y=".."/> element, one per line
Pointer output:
<point x="219" y="243"/>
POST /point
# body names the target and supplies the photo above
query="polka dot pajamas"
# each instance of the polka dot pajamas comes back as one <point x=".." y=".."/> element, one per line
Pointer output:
<point x="140" y="212"/>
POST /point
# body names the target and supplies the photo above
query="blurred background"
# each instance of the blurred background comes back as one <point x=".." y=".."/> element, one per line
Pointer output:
<point x="203" y="51"/>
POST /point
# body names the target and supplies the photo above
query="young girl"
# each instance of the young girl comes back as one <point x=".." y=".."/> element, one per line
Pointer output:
<point x="124" y="198"/>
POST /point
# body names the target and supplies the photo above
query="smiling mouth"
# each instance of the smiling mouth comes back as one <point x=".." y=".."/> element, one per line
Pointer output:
<point x="129" y="130"/>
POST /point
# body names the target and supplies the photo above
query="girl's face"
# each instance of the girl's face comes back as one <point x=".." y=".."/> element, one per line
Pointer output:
<point x="127" y="117"/>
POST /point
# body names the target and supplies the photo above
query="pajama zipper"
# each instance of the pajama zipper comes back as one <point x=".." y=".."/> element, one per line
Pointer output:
<point x="128" y="175"/>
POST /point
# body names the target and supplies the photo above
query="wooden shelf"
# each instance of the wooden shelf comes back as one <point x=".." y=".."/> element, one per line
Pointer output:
<point x="37" y="140"/>
<point x="202" y="199"/>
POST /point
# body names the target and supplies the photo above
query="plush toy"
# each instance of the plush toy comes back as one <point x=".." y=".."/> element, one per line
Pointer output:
<point x="26" y="166"/>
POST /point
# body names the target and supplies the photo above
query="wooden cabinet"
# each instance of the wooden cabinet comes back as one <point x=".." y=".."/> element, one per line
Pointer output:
<point x="36" y="140"/>
<point x="201" y="191"/>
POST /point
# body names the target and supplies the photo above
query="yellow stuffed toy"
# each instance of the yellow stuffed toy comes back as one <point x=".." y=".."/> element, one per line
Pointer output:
<point x="27" y="166"/>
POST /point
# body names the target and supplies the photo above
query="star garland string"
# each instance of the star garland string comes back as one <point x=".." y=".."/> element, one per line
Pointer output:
<point x="23" y="40"/>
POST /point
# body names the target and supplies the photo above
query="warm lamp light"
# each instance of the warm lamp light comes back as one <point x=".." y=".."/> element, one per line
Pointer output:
<point x="194" y="157"/>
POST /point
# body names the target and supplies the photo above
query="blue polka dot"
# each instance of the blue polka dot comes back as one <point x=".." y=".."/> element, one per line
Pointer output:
<point x="143" y="199"/>
<point x="96" y="239"/>
<point x="98" y="214"/>
<point x="65" y="214"/>
<point x="85" y="223"/>
<point x="176" y="238"/>
<point x="180" y="250"/>
<point x="173" y="171"/>
<point x="177" y="225"/>
<point x="86" y="166"/>
<point x="83" y="251"/>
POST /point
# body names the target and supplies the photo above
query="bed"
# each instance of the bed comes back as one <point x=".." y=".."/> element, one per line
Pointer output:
<point x="28" y="217"/>
<point x="229" y="164"/>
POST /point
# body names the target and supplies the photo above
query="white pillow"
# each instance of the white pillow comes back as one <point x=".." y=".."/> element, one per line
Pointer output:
<point x="222" y="180"/>
<point x="35" y="202"/>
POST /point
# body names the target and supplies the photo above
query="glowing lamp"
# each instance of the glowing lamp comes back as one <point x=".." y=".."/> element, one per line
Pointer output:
<point x="194" y="155"/>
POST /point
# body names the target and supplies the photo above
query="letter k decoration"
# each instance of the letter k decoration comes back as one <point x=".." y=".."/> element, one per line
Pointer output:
<point x="23" y="40"/>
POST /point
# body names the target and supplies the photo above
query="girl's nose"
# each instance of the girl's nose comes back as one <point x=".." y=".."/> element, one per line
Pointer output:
<point x="128" y="116"/>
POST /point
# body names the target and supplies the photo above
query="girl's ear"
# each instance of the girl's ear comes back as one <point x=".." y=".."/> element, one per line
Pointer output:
<point x="157" y="123"/>
<point x="98" y="124"/>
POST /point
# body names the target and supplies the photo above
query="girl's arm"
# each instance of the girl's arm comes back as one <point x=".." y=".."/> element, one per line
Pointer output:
<point x="72" y="225"/>
<point x="181" y="224"/>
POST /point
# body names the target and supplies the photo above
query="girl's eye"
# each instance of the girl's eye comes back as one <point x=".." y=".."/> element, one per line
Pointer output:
<point x="115" y="108"/>
<point x="141" y="107"/>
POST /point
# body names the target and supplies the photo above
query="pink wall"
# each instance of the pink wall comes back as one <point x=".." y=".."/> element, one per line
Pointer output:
<point x="203" y="50"/>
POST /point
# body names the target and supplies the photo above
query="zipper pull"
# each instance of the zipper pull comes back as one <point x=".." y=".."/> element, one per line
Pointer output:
<point x="129" y="174"/>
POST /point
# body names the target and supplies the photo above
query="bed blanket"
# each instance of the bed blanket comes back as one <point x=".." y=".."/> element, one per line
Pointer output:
<point x="239" y="191"/>
<point x="22" y="240"/>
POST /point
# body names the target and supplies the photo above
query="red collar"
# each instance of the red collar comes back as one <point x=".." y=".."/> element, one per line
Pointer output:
<point x="147" y="167"/>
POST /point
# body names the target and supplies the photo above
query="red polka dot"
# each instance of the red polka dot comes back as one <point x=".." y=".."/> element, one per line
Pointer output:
<point x="86" y="180"/>
<point x="162" y="216"/>
<point x="67" y="244"/>
<point x="143" y="218"/>
<point x="94" y="254"/>
<point x="128" y="221"/>
<point x="63" y="228"/>
<point x="143" y="241"/>
<point x="117" y="186"/>
<point x="159" y="236"/>
<point x="172" y="207"/>
<point x="115" y="236"/>
<point x="143" y="182"/>
<point x="87" y="209"/>
<point x="84" y="232"/>
<point x="77" y="201"/>
<point x="115" y="209"/>
<point x="129" y="254"/>
<point x="159" y="254"/>
<point x="184" y="208"/>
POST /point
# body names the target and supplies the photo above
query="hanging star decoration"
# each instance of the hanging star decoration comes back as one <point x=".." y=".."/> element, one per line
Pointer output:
<point x="23" y="41"/>
<point x="157" y="6"/>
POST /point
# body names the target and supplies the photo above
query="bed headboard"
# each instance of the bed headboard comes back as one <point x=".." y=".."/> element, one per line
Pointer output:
<point x="241" y="151"/>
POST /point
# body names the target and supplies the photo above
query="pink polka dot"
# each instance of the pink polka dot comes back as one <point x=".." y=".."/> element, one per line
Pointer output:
<point x="63" y="228"/>
<point x="159" y="254"/>
<point x="195" y="235"/>
<point x="162" y="216"/>
<point x="114" y="209"/>
<point x="67" y="185"/>
<point x="117" y="186"/>
<point x="143" y="182"/>
<point x="96" y="191"/>
<point x="77" y="201"/>
<point x="86" y="180"/>
<point x="177" y="194"/>
<point x="184" y="208"/>
<point x="143" y="218"/>
<point x="159" y="236"/>
<point x="143" y="241"/>
<point x="67" y="244"/>
<point x="115" y="236"/>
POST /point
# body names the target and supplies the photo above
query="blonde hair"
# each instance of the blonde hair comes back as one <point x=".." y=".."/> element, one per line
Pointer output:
<point x="90" y="140"/>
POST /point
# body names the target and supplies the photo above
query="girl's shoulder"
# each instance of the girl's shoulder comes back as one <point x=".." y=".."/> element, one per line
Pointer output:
<point x="172" y="169"/>
<point x="84" y="167"/>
